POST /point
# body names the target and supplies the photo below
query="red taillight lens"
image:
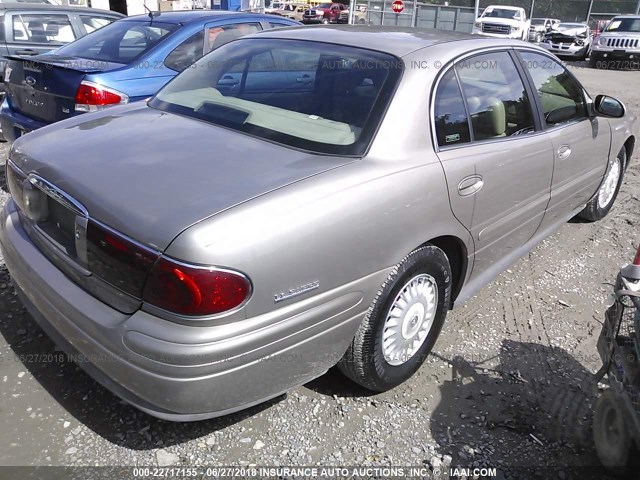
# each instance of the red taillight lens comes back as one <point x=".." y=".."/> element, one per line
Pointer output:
<point x="194" y="291"/>
<point x="636" y="260"/>
<point x="92" y="96"/>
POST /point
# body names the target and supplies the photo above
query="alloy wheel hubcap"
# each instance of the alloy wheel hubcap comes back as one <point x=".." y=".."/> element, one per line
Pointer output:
<point x="410" y="319"/>
<point x="608" y="188"/>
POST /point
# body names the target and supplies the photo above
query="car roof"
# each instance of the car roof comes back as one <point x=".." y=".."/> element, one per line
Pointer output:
<point x="48" y="8"/>
<point x="186" y="16"/>
<point x="398" y="41"/>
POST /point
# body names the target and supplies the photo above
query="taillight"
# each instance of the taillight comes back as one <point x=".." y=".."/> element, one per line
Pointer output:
<point x="91" y="97"/>
<point x="636" y="260"/>
<point x="117" y="259"/>
<point x="193" y="290"/>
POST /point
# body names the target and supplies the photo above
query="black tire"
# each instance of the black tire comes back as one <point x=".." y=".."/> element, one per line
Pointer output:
<point x="364" y="361"/>
<point x="593" y="211"/>
<point x="613" y="440"/>
<point x="325" y="21"/>
<point x="538" y="37"/>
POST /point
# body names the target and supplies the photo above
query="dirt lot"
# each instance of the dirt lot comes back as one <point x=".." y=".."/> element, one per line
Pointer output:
<point x="510" y="381"/>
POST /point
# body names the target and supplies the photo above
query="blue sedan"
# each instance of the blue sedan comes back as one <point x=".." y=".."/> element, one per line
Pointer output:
<point x="129" y="60"/>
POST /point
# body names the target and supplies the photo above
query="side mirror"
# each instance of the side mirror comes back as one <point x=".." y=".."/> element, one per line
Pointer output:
<point x="609" y="106"/>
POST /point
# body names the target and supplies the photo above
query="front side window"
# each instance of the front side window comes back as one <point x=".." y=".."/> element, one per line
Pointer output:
<point x="119" y="42"/>
<point x="560" y="95"/>
<point x="452" y="124"/>
<point x="42" y="28"/>
<point x="300" y="94"/>
<point x="219" y="35"/>
<point x="496" y="98"/>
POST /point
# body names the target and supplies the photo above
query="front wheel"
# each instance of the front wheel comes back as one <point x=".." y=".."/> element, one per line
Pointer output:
<point x="403" y="323"/>
<point x="325" y="21"/>
<point x="603" y="200"/>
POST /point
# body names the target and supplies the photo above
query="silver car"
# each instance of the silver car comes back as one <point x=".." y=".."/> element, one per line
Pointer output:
<point x="297" y="199"/>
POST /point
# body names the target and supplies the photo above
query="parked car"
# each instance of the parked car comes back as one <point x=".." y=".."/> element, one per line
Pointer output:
<point x="326" y="13"/>
<point x="568" y="40"/>
<point x="126" y="61"/>
<point x="32" y="28"/>
<point x="618" y="46"/>
<point x="263" y="217"/>
<point x="502" y="22"/>
<point x="540" y="26"/>
<point x="292" y="10"/>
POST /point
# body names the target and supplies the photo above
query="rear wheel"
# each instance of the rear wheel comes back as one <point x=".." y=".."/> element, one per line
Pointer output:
<point x="403" y="323"/>
<point x="325" y="21"/>
<point x="601" y="203"/>
<point x="611" y="434"/>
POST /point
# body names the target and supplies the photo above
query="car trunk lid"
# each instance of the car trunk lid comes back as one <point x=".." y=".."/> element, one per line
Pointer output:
<point x="43" y="87"/>
<point x="150" y="175"/>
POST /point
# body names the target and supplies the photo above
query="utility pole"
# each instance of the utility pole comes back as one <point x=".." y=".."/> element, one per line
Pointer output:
<point x="589" y="12"/>
<point x="533" y="3"/>
<point x="638" y="8"/>
<point x="478" y="8"/>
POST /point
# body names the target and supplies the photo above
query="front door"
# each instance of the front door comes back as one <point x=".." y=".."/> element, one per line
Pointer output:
<point x="579" y="148"/>
<point x="497" y="162"/>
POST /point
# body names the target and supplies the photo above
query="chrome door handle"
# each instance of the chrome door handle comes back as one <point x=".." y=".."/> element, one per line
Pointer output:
<point x="470" y="185"/>
<point x="564" y="152"/>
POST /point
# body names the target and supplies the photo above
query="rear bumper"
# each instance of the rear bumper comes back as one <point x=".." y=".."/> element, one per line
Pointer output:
<point x="14" y="124"/>
<point x="169" y="370"/>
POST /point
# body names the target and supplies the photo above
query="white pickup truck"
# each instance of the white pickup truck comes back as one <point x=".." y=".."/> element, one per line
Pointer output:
<point x="503" y="22"/>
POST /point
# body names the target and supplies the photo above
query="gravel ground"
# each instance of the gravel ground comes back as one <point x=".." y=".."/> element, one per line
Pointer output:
<point x="509" y="383"/>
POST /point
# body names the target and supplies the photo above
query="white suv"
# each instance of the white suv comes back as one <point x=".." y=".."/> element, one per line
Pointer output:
<point x="502" y="22"/>
<point x="618" y="46"/>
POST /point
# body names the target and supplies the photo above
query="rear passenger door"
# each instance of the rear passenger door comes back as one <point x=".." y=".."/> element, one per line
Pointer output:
<point x="498" y="163"/>
<point x="581" y="143"/>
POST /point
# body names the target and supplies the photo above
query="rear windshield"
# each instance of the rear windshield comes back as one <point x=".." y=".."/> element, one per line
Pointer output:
<point x="119" y="42"/>
<point x="624" y="25"/>
<point x="313" y="96"/>
<point x="537" y="21"/>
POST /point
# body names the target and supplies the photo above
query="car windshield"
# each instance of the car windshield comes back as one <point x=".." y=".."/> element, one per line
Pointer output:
<point x="313" y="96"/>
<point x="500" y="13"/>
<point x="119" y="42"/>
<point x="624" y="25"/>
<point x="537" y="21"/>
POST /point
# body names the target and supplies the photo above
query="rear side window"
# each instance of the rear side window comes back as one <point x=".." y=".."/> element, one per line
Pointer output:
<point x="92" y="23"/>
<point x="186" y="53"/>
<point x="42" y="28"/>
<point x="452" y="124"/>
<point x="219" y="35"/>
<point x="119" y="42"/>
